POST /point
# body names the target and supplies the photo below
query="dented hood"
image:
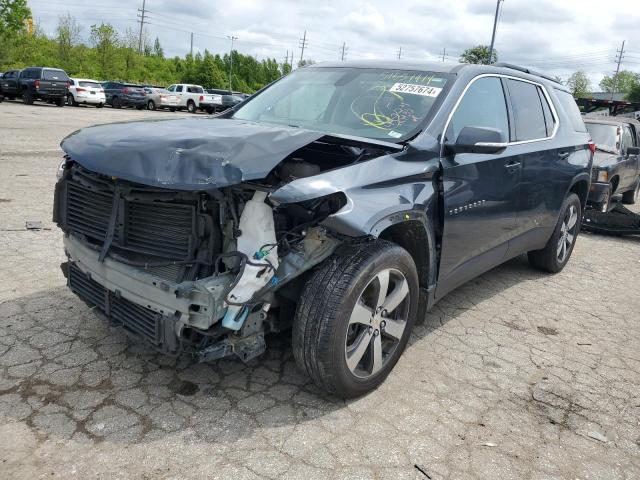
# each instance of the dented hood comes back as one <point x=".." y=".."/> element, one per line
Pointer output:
<point x="185" y="153"/>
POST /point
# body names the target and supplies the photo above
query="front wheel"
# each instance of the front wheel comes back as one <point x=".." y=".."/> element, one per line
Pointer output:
<point x="151" y="105"/>
<point x="556" y="253"/>
<point x="632" y="196"/>
<point x="354" y="317"/>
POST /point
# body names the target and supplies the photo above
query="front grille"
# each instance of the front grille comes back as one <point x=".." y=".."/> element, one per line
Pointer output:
<point x="165" y="230"/>
<point x="161" y="229"/>
<point x="141" y="321"/>
<point x="88" y="211"/>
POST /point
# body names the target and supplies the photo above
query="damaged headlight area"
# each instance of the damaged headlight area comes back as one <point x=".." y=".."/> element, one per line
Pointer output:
<point x="206" y="272"/>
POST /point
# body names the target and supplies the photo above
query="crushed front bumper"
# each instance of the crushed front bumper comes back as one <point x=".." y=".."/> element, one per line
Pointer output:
<point x="142" y="303"/>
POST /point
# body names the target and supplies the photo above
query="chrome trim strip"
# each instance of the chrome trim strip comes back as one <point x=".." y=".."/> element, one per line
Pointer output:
<point x="500" y="75"/>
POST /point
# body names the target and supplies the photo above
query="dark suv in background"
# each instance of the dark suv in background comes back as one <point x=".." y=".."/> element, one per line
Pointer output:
<point x="229" y="99"/>
<point x="355" y="194"/>
<point x="119" y="94"/>
<point x="36" y="83"/>
<point x="616" y="164"/>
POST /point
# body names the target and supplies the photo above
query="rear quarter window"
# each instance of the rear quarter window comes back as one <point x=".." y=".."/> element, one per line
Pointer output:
<point x="54" y="75"/>
<point x="570" y="107"/>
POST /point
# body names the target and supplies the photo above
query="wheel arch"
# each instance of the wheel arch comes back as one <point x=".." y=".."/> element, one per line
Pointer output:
<point x="581" y="188"/>
<point x="615" y="181"/>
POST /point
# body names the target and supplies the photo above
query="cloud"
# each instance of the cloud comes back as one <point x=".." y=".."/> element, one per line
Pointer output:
<point x="555" y="37"/>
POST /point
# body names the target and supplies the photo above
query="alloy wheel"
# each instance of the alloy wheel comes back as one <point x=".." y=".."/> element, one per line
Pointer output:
<point x="567" y="233"/>
<point x="377" y="323"/>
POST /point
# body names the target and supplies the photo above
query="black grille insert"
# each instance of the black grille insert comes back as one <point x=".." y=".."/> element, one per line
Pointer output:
<point x="139" y="320"/>
<point x="160" y="229"/>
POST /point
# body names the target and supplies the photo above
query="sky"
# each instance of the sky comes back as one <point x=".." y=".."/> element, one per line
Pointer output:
<point x="556" y="37"/>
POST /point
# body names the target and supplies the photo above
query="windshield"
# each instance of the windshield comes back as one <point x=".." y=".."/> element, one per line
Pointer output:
<point x="373" y="103"/>
<point x="54" y="75"/>
<point x="606" y="137"/>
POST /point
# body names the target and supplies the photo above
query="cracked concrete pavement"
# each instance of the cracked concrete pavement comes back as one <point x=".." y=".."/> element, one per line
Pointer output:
<point x="516" y="375"/>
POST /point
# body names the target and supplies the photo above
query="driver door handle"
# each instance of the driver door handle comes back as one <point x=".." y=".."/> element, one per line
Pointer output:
<point x="512" y="164"/>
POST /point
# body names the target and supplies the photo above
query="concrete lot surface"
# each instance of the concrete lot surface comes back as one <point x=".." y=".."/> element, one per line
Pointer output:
<point x="517" y="375"/>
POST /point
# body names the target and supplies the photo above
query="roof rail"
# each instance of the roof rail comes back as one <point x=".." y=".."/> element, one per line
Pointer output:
<point x="526" y="70"/>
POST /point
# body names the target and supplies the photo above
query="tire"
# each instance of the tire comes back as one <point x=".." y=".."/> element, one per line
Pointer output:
<point x="60" y="101"/>
<point x="71" y="101"/>
<point x="191" y="107"/>
<point x="210" y="110"/>
<point x="632" y="196"/>
<point x="151" y="105"/>
<point x="325" y="337"/>
<point x="27" y="98"/>
<point x="140" y="107"/>
<point x="116" y="103"/>
<point x="172" y="109"/>
<point x="100" y="105"/>
<point x="554" y="256"/>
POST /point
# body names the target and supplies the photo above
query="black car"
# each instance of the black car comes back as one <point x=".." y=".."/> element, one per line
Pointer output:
<point x="36" y="83"/>
<point x="343" y="201"/>
<point x="616" y="164"/>
<point x="10" y="83"/>
<point x="229" y="99"/>
<point x="120" y="94"/>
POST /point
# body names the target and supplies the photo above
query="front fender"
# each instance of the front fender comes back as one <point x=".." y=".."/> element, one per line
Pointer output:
<point x="376" y="191"/>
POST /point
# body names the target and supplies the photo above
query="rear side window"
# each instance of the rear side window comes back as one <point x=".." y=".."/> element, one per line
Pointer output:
<point x="54" y="75"/>
<point x="179" y="88"/>
<point x="527" y="108"/>
<point x="571" y="109"/>
<point x="483" y="105"/>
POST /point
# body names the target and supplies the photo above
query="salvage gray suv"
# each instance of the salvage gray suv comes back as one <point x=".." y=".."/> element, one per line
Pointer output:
<point x="340" y="202"/>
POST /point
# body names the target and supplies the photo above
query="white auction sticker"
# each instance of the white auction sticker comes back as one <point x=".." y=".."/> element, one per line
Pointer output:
<point x="415" y="89"/>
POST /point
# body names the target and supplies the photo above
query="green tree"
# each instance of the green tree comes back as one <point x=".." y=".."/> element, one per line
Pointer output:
<point x="634" y="93"/>
<point x="13" y="16"/>
<point x="104" y="39"/>
<point x="67" y="37"/>
<point x="478" y="54"/>
<point x="579" y="84"/>
<point x="622" y="82"/>
<point x="157" y="48"/>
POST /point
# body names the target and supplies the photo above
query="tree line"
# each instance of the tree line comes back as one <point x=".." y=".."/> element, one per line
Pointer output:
<point x="113" y="55"/>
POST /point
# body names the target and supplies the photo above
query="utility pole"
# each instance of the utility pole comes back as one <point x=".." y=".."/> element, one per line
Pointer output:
<point x="493" y="36"/>
<point x="344" y="49"/>
<point x="286" y="58"/>
<point x="191" y="49"/>
<point x="400" y="53"/>
<point x="232" y="38"/>
<point x="142" y="14"/>
<point x="619" y="57"/>
<point x="444" y="53"/>
<point x="303" y="44"/>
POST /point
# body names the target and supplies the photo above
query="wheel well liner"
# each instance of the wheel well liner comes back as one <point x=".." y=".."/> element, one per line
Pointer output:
<point x="581" y="188"/>
<point x="413" y="237"/>
<point x="614" y="183"/>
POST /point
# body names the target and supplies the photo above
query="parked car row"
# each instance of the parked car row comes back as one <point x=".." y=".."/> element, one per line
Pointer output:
<point x="54" y="86"/>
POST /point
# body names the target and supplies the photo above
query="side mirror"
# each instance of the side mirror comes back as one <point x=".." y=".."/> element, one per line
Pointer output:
<point x="479" y="140"/>
<point x="633" y="150"/>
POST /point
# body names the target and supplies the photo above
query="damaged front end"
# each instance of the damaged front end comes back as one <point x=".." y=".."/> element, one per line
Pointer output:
<point x="207" y="272"/>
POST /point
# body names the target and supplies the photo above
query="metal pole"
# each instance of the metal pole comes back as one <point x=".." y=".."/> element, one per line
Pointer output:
<point x="231" y="60"/>
<point x="141" y="26"/>
<point x="342" y="57"/>
<point x="303" y="44"/>
<point x="493" y="36"/>
<point x="615" y="77"/>
<point x="444" y="53"/>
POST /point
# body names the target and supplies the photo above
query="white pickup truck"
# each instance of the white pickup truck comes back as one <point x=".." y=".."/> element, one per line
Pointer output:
<point x="194" y="98"/>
